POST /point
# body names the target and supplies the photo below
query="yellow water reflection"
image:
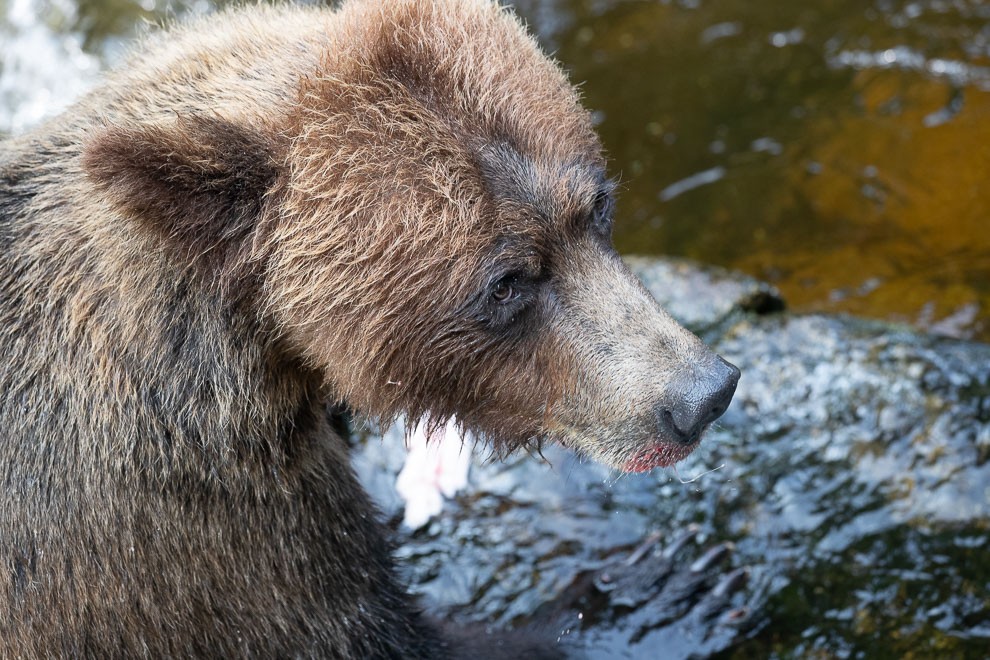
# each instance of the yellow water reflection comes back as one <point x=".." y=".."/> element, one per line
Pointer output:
<point x="837" y="149"/>
<point x="908" y="205"/>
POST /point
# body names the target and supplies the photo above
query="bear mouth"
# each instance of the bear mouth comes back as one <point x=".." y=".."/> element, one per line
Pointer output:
<point x="658" y="454"/>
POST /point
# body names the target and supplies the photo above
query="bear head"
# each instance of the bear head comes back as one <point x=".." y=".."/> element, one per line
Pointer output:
<point x="428" y="226"/>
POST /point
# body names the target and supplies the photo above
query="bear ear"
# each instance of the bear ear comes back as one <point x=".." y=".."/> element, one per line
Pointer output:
<point x="200" y="181"/>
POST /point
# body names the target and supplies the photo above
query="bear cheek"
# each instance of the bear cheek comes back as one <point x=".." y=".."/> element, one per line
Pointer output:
<point x="509" y="395"/>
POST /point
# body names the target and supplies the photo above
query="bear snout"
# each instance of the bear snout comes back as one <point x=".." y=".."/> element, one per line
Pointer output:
<point x="695" y="401"/>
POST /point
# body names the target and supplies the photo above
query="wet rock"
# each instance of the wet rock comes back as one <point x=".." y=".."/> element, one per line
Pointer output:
<point x="898" y="411"/>
<point x="703" y="297"/>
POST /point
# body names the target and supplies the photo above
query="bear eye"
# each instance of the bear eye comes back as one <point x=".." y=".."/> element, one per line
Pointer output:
<point x="508" y="298"/>
<point x="504" y="292"/>
<point x="601" y="212"/>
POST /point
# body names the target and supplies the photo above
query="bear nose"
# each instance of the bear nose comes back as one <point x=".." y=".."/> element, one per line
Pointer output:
<point x="696" y="403"/>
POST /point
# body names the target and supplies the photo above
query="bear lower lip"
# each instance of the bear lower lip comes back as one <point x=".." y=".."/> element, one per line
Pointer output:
<point x="658" y="454"/>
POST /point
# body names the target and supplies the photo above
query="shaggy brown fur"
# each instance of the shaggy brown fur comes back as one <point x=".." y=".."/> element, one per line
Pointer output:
<point x="399" y="206"/>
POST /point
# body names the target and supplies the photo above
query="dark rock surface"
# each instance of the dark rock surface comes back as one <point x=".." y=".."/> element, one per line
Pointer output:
<point x="704" y="298"/>
<point x="851" y="475"/>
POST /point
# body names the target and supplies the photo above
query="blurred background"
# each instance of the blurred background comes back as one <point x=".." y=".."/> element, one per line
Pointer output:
<point x="835" y="148"/>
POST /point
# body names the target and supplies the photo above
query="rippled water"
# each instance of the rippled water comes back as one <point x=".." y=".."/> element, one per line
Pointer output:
<point x="834" y="147"/>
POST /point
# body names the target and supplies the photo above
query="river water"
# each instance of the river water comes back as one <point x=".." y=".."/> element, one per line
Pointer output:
<point x="835" y="148"/>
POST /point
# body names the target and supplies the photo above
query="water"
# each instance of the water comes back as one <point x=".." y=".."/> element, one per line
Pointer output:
<point x="853" y="478"/>
<point x="836" y="148"/>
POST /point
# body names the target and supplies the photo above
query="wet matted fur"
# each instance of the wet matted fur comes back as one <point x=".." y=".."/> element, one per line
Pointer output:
<point x="397" y="206"/>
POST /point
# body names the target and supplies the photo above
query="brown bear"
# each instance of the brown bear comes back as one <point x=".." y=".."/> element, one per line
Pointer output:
<point x="396" y="206"/>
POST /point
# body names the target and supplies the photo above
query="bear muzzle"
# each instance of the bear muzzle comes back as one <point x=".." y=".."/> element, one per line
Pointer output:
<point x="695" y="402"/>
<point x="699" y="402"/>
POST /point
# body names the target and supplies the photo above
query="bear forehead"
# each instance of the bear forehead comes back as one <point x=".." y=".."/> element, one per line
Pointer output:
<point x="447" y="104"/>
<point x="556" y="195"/>
<point x="469" y="64"/>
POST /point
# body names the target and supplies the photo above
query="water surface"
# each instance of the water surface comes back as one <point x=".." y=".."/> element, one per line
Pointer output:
<point x="835" y="148"/>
